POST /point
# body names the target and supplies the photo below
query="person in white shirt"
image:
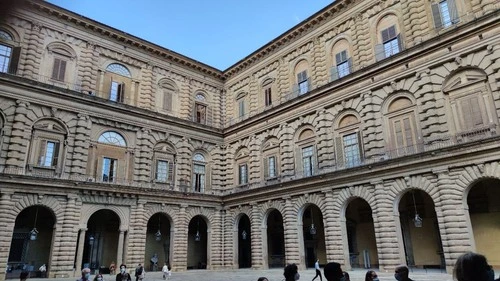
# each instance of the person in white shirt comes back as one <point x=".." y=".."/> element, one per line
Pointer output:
<point x="318" y="272"/>
<point x="166" y="272"/>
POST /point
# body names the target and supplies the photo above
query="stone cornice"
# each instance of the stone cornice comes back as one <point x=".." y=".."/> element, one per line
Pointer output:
<point x="305" y="26"/>
<point x="124" y="38"/>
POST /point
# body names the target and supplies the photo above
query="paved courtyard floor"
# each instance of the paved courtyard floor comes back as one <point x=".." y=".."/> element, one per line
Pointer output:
<point x="271" y="274"/>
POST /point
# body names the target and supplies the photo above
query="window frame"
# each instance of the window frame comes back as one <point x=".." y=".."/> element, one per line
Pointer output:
<point x="11" y="61"/>
<point x="243" y="173"/>
<point x="302" y="82"/>
<point x="199" y="180"/>
<point x="345" y="130"/>
<point x="399" y="115"/>
<point x="114" y="163"/>
<point x="444" y="19"/>
<point x="305" y="143"/>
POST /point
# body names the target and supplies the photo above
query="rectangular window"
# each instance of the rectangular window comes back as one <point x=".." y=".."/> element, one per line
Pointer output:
<point x="351" y="150"/>
<point x="198" y="177"/>
<point x="390" y="41"/>
<point x="201" y="113"/>
<point x="271" y="167"/>
<point x="109" y="167"/>
<point x="307" y="160"/>
<point x="444" y="13"/>
<point x="167" y="100"/>
<point x="241" y="106"/>
<point x="59" y="69"/>
<point x="471" y="112"/>
<point x="242" y="174"/>
<point x="117" y="91"/>
<point x="303" y="82"/>
<point x="404" y="137"/>
<point x="49" y="154"/>
<point x="343" y="64"/>
<point x="162" y="171"/>
<point x="5" y="53"/>
<point x="268" y="96"/>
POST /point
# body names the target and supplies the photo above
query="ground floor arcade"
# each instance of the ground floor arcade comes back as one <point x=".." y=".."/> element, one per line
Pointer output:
<point x="423" y="220"/>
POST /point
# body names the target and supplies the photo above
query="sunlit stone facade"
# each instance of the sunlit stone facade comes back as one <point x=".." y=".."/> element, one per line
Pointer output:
<point x="333" y="141"/>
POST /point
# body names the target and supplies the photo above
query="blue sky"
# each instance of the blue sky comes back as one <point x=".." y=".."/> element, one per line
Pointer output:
<point x="218" y="32"/>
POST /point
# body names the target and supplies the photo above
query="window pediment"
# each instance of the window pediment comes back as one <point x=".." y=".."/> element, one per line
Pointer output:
<point x="164" y="148"/>
<point x="464" y="79"/>
<point x="50" y="127"/>
<point x="272" y="143"/>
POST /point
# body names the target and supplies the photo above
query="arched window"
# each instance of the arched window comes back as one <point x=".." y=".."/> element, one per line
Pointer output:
<point x="167" y="93"/>
<point x="112" y="138"/>
<point x="342" y="61"/>
<point x="118" y="69"/>
<point x="388" y="37"/>
<point x="200" y="109"/>
<point x="241" y="101"/>
<point x="164" y="164"/>
<point x="62" y="57"/>
<point x="199" y="172"/>
<point x="47" y="146"/>
<point x="306" y="142"/>
<point x="112" y="157"/>
<point x="117" y="83"/>
<point x="242" y="157"/>
<point x="9" y="54"/>
<point x="270" y="159"/>
<point x="348" y="144"/>
<point x="303" y="82"/>
<point x="402" y="126"/>
<point x="267" y="90"/>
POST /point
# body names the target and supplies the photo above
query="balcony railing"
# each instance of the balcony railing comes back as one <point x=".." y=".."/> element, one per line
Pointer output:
<point x="429" y="145"/>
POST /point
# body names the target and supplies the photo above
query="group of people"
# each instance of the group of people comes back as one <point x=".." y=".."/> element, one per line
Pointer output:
<point x="469" y="267"/>
<point x="123" y="275"/>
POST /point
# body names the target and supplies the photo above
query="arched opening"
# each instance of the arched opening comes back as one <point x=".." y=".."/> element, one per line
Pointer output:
<point x="361" y="235"/>
<point x="244" y="243"/>
<point x="158" y="241"/>
<point x="420" y="231"/>
<point x="197" y="243"/>
<point x="31" y="244"/>
<point x="484" y="211"/>
<point x="275" y="240"/>
<point x="101" y="240"/>
<point x="314" y="236"/>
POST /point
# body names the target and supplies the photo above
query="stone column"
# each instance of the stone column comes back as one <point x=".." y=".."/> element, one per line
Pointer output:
<point x="119" y="252"/>
<point x="453" y="220"/>
<point x="179" y="259"/>
<point x="333" y="239"/>
<point x="257" y="243"/>
<point x="79" y="251"/>
<point x="291" y="237"/>
<point x="136" y="236"/>
<point x="389" y="251"/>
<point x="7" y="222"/>
<point x="16" y="153"/>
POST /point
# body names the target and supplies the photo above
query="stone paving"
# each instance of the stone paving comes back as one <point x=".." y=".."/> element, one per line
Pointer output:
<point x="271" y="274"/>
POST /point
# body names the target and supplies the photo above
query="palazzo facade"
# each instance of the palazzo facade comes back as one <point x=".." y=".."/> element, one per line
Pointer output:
<point x="365" y="135"/>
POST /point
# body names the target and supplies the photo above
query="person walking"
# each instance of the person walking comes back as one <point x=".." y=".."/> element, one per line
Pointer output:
<point x="291" y="272"/>
<point x="85" y="274"/>
<point x="318" y="272"/>
<point x="473" y="267"/>
<point x="123" y="275"/>
<point x="333" y="272"/>
<point x="138" y="272"/>
<point x="401" y="273"/>
<point x="371" y="276"/>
